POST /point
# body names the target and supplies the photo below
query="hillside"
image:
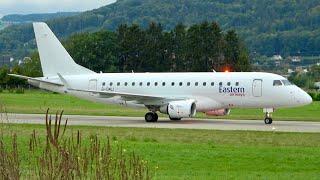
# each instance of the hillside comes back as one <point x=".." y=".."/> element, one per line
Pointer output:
<point x="18" y="18"/>
<point x="268" y="27"/>
<point x="1" y="25"/>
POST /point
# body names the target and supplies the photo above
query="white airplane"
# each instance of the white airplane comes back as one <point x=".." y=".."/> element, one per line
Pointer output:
<point x="179" y="95"/>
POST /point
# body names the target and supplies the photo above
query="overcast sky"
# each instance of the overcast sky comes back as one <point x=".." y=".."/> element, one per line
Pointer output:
<point x="48" y="6"/>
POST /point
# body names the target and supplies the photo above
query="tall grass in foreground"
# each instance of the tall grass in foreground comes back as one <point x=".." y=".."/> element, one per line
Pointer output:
<point x="58" y="157"/>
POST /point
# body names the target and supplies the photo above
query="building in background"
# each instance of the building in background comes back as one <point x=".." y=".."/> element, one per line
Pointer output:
<point x="295" y="59"/>
<point x="5" y="61"/>
<point x="277" y="59"/>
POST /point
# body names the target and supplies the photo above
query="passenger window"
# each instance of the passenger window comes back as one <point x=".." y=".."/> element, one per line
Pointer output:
<point x="220" y="84"/>
<point x="155" y="84"/>
<point x="118" y="84"/>
<point x="277" y="83"/>
<point x="180" y="84"/>
<point x="141" y="83"/>
<point x="103" y="84"/>
<point x="229" y="83"/>
<point x="163" y="84"/>
<point x="111" y="84"/>
<point x="133" y="84"/>
<point x="204" y="84"/>
<point x="212" y="84"/>
<point x="148" y="84"/>
<point x="237" y="83"/>
<point x="188" y="84"/>
<point x="172" y="84"/>
<point x="196" y="84"/>
<point x="126" y="84"/>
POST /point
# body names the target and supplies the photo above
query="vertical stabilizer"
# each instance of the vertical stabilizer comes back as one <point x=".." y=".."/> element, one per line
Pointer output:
<point x="53" y="56"/>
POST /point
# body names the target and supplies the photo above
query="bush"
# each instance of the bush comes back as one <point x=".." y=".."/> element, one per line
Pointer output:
<point x="19" y="91"/>
<point x="315" y="96"/>
<point x="318" y="97"/>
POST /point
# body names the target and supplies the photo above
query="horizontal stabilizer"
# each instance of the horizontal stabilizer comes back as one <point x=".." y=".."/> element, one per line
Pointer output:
<point x="35" y="79"/>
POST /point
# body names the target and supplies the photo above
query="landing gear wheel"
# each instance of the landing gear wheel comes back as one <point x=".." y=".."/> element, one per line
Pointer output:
<point x="268" y="120"/>
<point x="156" y="117"/>
<point x="268" y="115"/>
<point x="175" y="119"/>
<point x="151" y="117"/>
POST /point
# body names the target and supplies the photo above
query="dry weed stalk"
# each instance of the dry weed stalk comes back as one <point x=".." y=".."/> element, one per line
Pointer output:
<point x="70" y="158"/>
<point x="9" y="161"/>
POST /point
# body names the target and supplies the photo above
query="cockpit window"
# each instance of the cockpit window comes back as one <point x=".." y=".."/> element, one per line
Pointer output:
<point x="286" y="82"/>
<point x="277" y="83"/>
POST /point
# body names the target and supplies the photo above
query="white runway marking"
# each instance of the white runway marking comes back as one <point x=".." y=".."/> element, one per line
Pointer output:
<point x="247" y="125"/>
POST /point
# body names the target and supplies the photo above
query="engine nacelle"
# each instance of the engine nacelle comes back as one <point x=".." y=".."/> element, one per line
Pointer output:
<point x="180" y="109"/>
<point x="218" y="112"/>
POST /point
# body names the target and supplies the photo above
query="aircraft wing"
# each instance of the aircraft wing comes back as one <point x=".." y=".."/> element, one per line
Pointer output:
<point x="139" y="98"/>
<point x="35" y="79"/>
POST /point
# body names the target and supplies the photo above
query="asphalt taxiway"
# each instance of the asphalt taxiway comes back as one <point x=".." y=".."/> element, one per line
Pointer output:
<point x="214" y="124"/>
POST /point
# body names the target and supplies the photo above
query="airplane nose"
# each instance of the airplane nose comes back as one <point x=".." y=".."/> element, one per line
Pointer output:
<point x="304" y="98"/>
<point x="308" y="98"/>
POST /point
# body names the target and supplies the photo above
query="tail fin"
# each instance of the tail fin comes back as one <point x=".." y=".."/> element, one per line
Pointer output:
<point x="53" y="56"/>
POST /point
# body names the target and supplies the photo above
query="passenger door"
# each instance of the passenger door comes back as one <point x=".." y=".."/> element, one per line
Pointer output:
<point x="92" y="86"/>
<point x="257" y="88"/>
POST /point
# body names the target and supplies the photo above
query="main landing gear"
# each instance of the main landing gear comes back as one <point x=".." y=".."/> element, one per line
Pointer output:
<point x="268" y="118"/>
<point x="151" y="117"/>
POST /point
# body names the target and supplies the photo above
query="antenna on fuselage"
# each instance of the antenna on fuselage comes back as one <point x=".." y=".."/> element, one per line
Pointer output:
<point x="214" y="71"/>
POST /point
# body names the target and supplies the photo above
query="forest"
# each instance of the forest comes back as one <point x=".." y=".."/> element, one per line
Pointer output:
<point x="20" y="18"/>
<point x="201" y="48"/>
<point x="286" y="27"/>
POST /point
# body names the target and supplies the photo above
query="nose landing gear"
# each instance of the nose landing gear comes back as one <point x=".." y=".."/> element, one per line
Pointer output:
<point x="268" y="118"/>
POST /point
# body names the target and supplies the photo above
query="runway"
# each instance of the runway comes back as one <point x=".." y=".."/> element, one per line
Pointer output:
<point x="245" y="125"/>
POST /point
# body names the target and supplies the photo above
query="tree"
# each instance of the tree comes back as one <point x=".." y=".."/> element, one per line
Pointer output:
<point x="32" y="67"/>
<point x="96" y="51"/>
<point x="236" y="56"/>
<point x="13" y="81"/>
<point x="131" y="42"/>
<point x="4" y="78"/>
<point x="179" y="48"/>
<point x="155" y="50"/>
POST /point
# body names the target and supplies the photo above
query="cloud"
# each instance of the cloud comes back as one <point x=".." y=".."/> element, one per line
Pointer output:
<point x="46" y="6"/>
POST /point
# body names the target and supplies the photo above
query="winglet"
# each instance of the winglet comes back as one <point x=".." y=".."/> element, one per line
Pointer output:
<point x="65" y="83"/>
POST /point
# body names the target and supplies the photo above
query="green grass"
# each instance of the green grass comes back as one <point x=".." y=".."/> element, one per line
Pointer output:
<point x="206" y="154"/>
<point x="38" y="101"/>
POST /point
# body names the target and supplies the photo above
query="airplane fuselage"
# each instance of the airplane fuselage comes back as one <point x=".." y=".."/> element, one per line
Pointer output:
<point x="211" y="91"/>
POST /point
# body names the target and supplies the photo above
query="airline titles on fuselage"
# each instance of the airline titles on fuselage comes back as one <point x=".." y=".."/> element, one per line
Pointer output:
<point x="232" y="91"/>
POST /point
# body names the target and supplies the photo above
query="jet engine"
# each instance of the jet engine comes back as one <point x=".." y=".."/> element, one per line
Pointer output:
<point x="218" y="112"/>
<point x="180" y="109"/>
